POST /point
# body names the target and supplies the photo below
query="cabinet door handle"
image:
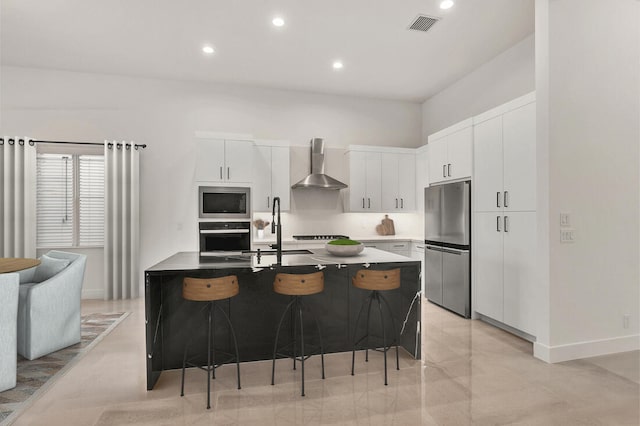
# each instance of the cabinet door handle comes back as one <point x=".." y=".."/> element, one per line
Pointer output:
<point x="396" y="203"/>
<point x="498" y="199"/>
<point x="506" y="224"/>
<point x="444" y="170"/>
<point x="402" y="203"/>
<point x="220" y="172"/>
<point x="449" y="169"/>
<point x="363" y="202"/>
<point x="506" y="198"/>
<point x="498" y="223"/>
<point x="228" y="173"/>
<point x="268" y="201"/>
<point x="369" y="201"/>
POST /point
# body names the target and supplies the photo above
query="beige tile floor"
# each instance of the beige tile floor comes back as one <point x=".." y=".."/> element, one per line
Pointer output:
<point x="471" y="373"/>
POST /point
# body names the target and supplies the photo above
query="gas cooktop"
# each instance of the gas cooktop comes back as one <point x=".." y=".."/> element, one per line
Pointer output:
<point x="319" y="237"/>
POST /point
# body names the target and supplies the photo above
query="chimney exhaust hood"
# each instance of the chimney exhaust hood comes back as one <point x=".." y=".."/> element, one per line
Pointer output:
<point x="317" y="178"/>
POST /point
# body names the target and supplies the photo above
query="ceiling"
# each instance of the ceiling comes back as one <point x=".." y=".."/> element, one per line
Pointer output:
<point x="163" y="39"/>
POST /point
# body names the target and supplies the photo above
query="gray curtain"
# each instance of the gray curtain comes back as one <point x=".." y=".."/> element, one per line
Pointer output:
<point x="17" y="197"/>
<point x="122" y="218"/>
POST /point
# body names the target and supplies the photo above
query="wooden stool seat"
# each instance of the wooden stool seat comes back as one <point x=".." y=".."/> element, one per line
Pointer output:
<point x="210" y="289"/>
<point x="368" y="279"/>
<point x="299" y="284"/>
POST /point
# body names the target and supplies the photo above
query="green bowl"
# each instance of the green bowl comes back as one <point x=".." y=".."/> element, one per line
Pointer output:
<point x="344" y="247"/>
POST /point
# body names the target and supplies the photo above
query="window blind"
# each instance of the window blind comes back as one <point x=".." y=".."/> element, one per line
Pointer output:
<point x="54" y="203"/>
<point x="91" y="200"/>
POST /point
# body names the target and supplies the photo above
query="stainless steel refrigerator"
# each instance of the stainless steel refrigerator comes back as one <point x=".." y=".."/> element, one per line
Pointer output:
<point x="447" y="210"/>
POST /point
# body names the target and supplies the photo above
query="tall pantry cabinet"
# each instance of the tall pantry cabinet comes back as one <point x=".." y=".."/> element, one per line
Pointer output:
<point x="504" y="217"/>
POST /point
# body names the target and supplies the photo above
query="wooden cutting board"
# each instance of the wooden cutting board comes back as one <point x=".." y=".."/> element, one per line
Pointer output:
<point x="386" y="227"/>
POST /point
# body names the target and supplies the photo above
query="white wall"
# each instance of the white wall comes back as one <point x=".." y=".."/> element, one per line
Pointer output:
<point x="589" y="111"/>
<point x="58" y="105"/>
<point x="507" y="76"/>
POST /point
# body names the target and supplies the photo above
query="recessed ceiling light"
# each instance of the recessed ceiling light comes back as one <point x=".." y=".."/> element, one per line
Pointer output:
<point x="278" y="21"/>
<point x="208" y="49"/>
<point x="446" y="4"/>
<point x="337" y="65"/>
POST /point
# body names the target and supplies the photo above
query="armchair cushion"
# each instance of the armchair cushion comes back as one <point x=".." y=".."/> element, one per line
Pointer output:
<point x="49" y="267"/>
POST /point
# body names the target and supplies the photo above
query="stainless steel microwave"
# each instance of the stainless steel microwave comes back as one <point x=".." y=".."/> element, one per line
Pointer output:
<point x="224" y="202"/>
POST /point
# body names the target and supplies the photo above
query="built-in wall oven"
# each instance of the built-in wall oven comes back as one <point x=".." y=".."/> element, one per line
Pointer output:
<point x="224" y="238"/>
<point x="224" y="202"/>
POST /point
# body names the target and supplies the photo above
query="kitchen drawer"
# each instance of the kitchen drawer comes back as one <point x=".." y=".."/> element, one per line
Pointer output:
<point x="400" y="246"/>
<point x="417" y="247"/>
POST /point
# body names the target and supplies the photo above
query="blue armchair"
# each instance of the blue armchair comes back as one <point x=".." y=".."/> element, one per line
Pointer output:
<point x="49" y="311"/>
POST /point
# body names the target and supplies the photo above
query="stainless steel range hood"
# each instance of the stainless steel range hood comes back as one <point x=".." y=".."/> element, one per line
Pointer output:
<point x="317" y="178"/>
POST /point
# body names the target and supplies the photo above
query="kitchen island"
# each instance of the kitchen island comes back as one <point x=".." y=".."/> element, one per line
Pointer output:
<point x="171" y="321"/>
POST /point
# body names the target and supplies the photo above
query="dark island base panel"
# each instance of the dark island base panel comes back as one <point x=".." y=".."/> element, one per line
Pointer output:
<point x="256" y="310"/>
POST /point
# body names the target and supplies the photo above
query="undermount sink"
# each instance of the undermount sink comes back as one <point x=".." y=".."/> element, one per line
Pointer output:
<point x="271" y="252"/>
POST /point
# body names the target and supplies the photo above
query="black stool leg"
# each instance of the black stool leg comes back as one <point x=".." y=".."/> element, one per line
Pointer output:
<point x="384" y="337"/>
<point x="209" y="343"/>
<point x="315" y="319"/>
<point x="213" y="339"/>
<point x="366" y="351"/>
<point x="235" y="343"/>
<point x="184" y="363"/>
<point x="294" y="321"/>
<point x="355" y="335"/>
<point x="395" y="329"/>
<point x="301" y="345"/>
<point x="275" y="345"/>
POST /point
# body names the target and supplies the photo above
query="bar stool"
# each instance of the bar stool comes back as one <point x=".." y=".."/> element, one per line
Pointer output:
<point x="376" y="281"/>
<point x="211" y="290"/>
<point x="297" y="285"/>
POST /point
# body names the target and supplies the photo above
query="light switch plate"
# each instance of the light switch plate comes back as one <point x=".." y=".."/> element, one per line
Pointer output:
<point x="565" y="219"/>
<point x="567" y="235"/>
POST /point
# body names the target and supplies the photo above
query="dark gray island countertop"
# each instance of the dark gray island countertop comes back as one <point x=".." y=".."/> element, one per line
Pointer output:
<point x="190" y="260"/>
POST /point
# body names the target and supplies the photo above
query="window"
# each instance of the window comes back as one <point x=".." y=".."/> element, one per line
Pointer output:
<point x="70" y="200"/>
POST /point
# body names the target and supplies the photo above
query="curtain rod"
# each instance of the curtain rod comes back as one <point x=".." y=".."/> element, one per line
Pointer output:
<point x="32" y="142"/>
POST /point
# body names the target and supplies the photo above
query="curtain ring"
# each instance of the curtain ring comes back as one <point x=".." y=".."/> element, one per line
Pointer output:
<point x="109" y="145"/>
<point x="1" y="141"/>
<point x="128" y="146"/>
<point x="21" y="142"/>
<point x="118" y="145"/>
<point x="11" y="141"/>
<point x="136" y="147"/>
<point x="31" y="143"/>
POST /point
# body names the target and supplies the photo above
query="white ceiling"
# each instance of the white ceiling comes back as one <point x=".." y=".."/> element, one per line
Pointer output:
<point x="163" y="38"/>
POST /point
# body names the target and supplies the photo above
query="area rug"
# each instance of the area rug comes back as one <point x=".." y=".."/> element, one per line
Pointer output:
<point x="34" y="377"/>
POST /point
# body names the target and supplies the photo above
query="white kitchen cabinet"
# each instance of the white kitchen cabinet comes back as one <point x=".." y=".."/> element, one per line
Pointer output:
<point x="271" y="177"/>
<point x="504" y="219"/>
<point x="221" y="160"/>
<point x="398" y="175"/>
<point x="364" y="192"/>
<point x="505" y="268"/>
<point x="450" y="153"/>
<point x="504" y="158"/>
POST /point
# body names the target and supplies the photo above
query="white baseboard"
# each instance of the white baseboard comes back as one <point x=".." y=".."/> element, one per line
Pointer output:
<point x="92" y="294"/>
<point x="560" y="353"/>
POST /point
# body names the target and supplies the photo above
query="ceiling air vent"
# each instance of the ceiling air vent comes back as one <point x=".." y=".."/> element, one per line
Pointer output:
<point x="423" y="23"/>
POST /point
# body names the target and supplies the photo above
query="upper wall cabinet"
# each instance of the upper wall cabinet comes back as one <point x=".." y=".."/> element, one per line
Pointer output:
<point x="422" y="175"/>
<point x="363" y="193"/>
<point x="224" y="160"/>
<point x="271" y="177"/>
<point x="504" y="157"/>
<point x="398" y="173"/>
<point x="450" y="153"/>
